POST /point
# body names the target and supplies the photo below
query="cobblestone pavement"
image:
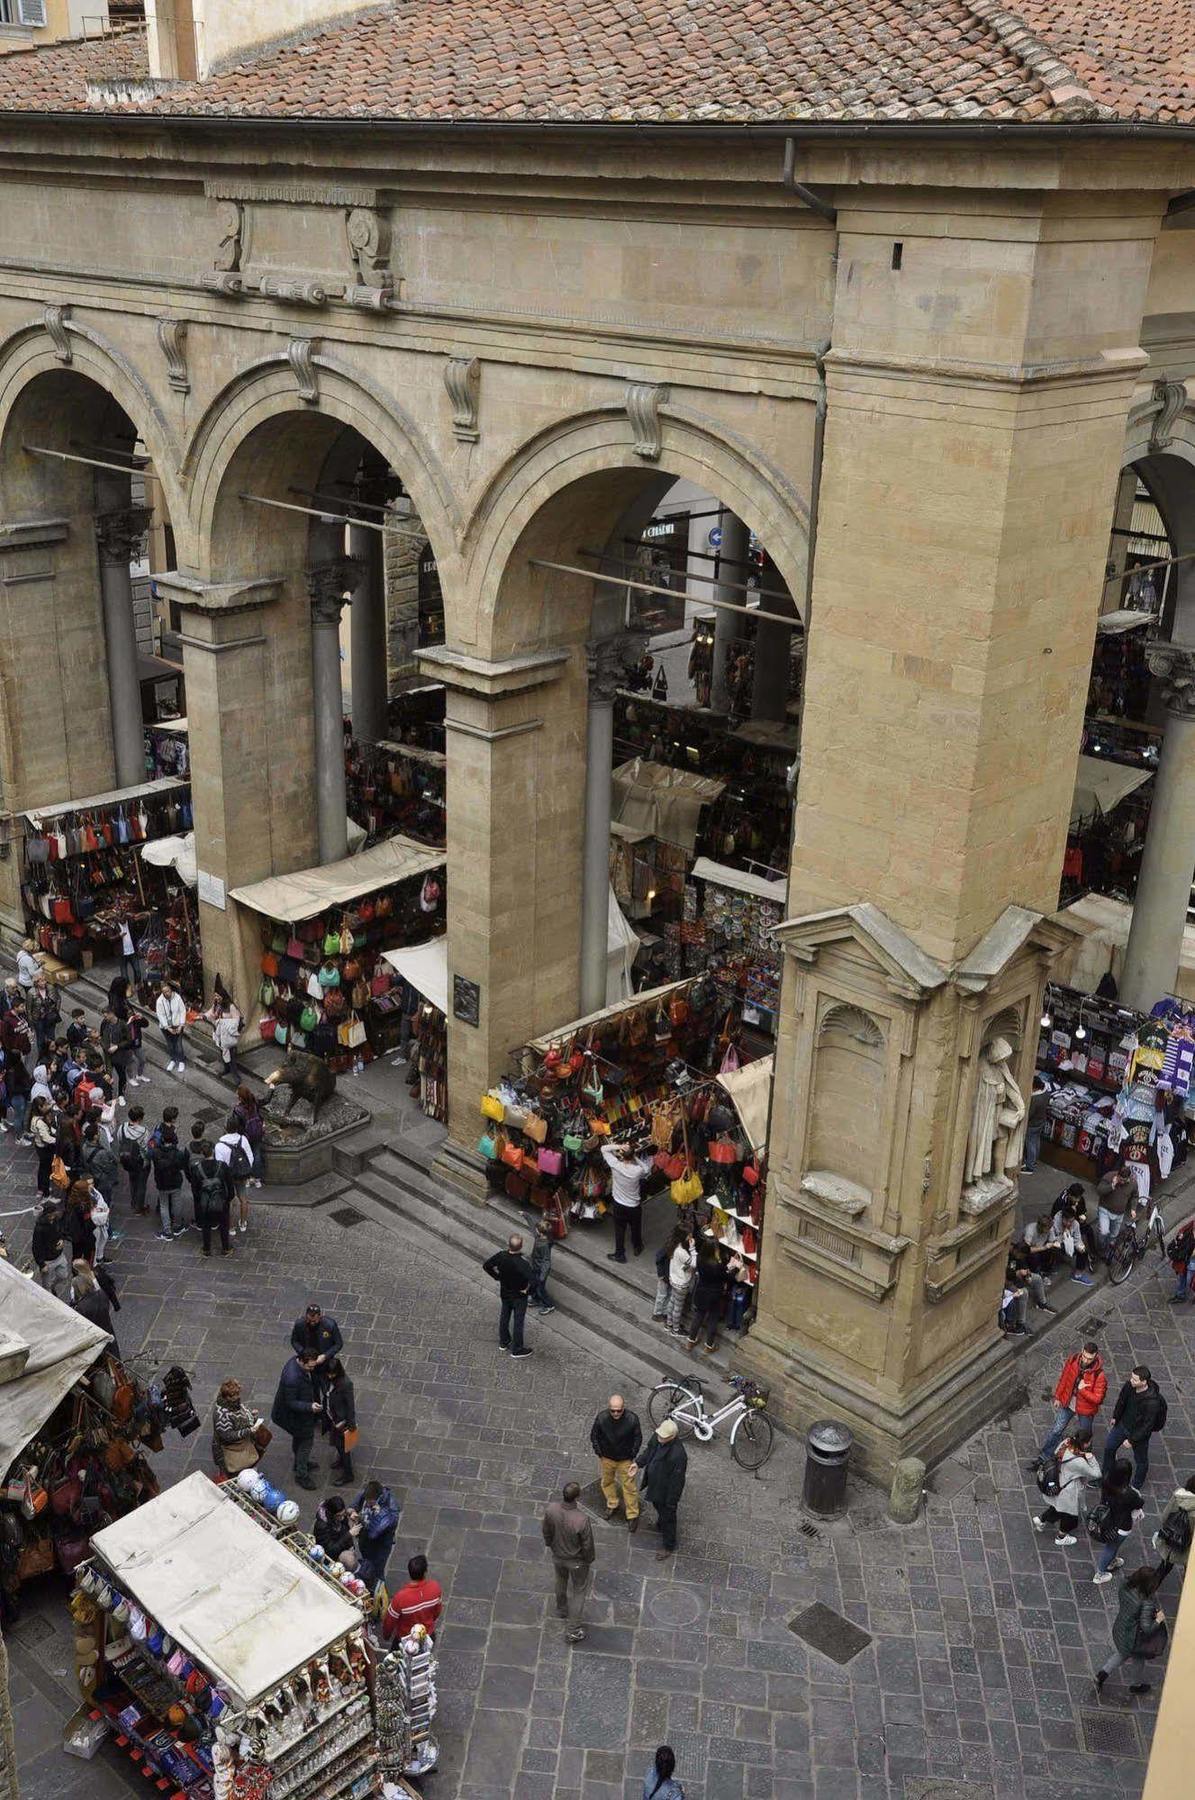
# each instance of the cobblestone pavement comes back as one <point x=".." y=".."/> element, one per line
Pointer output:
<point x="984" y="1635"/>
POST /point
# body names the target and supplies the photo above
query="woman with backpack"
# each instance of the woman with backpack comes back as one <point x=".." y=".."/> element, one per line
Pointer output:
<point x="1139" y="1632"/>
<point x="169" y="1170"/>
<point x="1177" y="1530"/>
<point x="659" y="1783"/>
<point x="1075" y="1465"/>
<point x="250" y="1123"/>
<point x="1112" y="1518"/>
<point x="236" y="1152"/>
<point x="132" y="1153"/>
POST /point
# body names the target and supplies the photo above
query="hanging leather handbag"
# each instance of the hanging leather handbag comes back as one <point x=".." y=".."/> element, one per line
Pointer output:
<point x="670" y="1163"/>
<point x="487" y="1146"/>
<point x="335" y="1004"/>
<point x="357" y="1033"/>
<point x="722" y="1151"/>
<point x="536" y="1127"/>
<point x="63" y="912"/>
<point x="492" y="1108"/>
<point x="298" y="1038"/>
<point x="350" y="969"/>
<point x="331" y="943"/>
<point x="295" y="947"/>
<point x="549" y="1162"/>
<point x="308" y="1018"/>
<point x="314" y="990"/>
<point x="268" y="1028"/>
<point x="281" y="1031"/>
<point x="687" y="1189"/>
<point x="269" y="968"/>
<point x="37" y="849"/>
<point x="511" y="1155"/>
<point x="360" y="995"/>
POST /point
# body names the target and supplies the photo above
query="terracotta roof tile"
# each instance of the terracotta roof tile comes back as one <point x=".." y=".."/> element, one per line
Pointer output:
<point x="644" y="60"/>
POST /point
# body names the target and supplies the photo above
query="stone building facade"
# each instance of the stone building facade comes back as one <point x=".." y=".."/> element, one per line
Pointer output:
<point x="928" y="345"/>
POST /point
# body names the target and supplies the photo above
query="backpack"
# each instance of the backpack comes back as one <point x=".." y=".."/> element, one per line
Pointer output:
<point x="211" y="1193"/>
<point x="133" y="1156"/>
<point x="663" y="1258"/>
<point x="1175" y="1531"/>
<point x="1046" y="1476"/>
<point x="1160" y="1422"/>
<point x="239" y="1164"/>
<point x="1101" y="1525"/>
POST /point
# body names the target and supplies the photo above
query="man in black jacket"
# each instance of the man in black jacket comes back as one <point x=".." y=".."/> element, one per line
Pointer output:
<point x="616" y="1436"/>
<point x="295" y="1411"/>
<point x="318" y="1336"/>
<point x="664" y="1462"/>
<point x="1140" y="1410"/>
<point x="511" y="1270"/>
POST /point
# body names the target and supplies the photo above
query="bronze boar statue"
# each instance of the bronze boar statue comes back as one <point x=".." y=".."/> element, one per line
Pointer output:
<point x="307" y="1077"/>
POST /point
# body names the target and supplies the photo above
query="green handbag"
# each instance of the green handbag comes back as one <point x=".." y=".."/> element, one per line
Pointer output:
<point x="487" y="1147"/>
<point x="308" y="1019"/>
<point x="331" y="943"/>
<point x="279" y="942"/>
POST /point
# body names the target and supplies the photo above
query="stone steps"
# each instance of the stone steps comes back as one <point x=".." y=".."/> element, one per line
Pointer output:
<point x="604" y="1316"/>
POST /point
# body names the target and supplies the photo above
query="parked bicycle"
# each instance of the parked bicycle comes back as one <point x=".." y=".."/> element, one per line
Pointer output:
<point x="1132" y="1242"/>
<point x="751" y="1434"/>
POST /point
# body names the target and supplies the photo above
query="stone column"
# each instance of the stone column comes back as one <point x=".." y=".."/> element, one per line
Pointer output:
<point x="773" y="660"/>
<point x="329" y="584"/>
<point x="370" y="651"/>
<point x="248" y="823"/>
<point x="604" y="664"/>
<point x="1164" y="886"/>
<point x="736" y="541"/>
<point x="121" y="538"/>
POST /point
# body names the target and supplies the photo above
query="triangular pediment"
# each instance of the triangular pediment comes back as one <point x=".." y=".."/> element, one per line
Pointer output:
<point x="885" y="943"/>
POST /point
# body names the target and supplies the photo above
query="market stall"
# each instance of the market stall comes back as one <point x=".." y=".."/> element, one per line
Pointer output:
<point x="167" y="750"/>
<point x="74" y="1428"/>
<point x="326" y="986"/>
<point x="422" y="1002"/>
<point x="226" y="1659"/>
<point x="394" y="788"/>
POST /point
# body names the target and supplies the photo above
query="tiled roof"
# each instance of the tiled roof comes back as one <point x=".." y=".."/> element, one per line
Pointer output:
<point x="648" y="61"/>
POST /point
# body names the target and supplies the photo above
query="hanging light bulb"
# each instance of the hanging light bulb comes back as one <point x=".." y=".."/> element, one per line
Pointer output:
<point x="1080" y="1031"/>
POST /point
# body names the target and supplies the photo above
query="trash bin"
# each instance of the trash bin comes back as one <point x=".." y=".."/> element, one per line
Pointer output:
<point x="827" y="1454"/>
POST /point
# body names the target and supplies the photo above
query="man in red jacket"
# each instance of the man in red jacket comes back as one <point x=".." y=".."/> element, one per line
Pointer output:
<point x="1078" y="1395"/>
<point x="420" y="1602"/>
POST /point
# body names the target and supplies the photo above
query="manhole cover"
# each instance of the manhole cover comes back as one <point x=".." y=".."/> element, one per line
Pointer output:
<point x="347" y="1215"/>
<point x="1109" y="1734"/>
<point x="676" y="1606"/>
<point x="921" y="1787"/>
<point x="825" y="1630"/>
<point x="32" y="1630"/>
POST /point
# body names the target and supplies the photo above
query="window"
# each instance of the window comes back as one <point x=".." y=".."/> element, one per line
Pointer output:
<point x="23" y="12"/>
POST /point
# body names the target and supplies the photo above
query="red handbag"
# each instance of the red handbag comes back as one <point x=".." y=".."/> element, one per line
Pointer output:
<point x="269" y="964"/>
<point x="267" y="1028"/>
<point x="721" y="1150"/>
<point x="751" y="1174"/>
<point x="63" y="912"/>
<point x="670" y="1163"/>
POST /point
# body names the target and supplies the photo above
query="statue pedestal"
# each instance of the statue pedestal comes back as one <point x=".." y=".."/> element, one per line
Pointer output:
<point x="881" y="1268"/>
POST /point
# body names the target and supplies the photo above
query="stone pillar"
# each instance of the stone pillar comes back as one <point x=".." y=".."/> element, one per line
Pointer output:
<point x="969" y="473"/>
<point x="121" y="538"/>
<point x="247" y="822"/>
<point x="1168" y="862"/>
<point x="736" y="541"/>
<point x="604" y="664"/>
<point x="773" y="659"/>
<point x="515" y="777"/>
<point x="329" y="584"/>
<point x="371" y="687"/>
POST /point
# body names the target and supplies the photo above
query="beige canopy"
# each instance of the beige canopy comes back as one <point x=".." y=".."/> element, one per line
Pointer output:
<point x="666" y="802"/>
<point x="1103" y="784"/>
<point x="45" y="1346"/>
<point x="750" y="1089"/>
<point x="290" y="898"/>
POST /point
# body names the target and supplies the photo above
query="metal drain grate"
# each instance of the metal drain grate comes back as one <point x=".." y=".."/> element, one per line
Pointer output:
<point x="827" y="1631"/>
<point x="31" y="1631"/>
<point x="1109" y="1734"/>
<point x="347" y="1215"/>
<point x="808" y="1530"/>
<point x="935" y="1787"/>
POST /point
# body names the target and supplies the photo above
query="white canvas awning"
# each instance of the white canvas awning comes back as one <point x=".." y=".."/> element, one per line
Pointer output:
<point x="173" y="853"/>
<point x="62" y="1347"/>
<point x="749" y="1089"/>
<point x="425" y="966"/>
<point x="741" y="881"/>
<point x="248" y="1609"/>
<point x="622" y="947"/>
<point x="1102" y="784"/>
<point x="289" y="898"/>
<point x="113" y="798"/>
<point x="667" y="802"/>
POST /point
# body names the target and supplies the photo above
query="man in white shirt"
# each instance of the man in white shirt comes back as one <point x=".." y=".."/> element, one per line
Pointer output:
<point x="235" y="1149"/>
<point x="171" y="1009"/>
<point x="628" y="1173"/>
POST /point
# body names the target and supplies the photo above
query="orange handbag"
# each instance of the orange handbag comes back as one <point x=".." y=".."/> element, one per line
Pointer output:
<point x="511" y="1155"/>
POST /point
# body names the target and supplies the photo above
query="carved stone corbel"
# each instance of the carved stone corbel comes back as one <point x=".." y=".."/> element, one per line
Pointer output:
<point x="1170" y="397"/>
<point x="231" y="219"/>
<point x="172" y="341"/>
<point x="462" y="378"/>
<point x="368" y="234"/>
<point x="54" y="319"/>
<point x="298" y="293"/>
<point x="300" y="354"/>
<point x="643" y="402"/>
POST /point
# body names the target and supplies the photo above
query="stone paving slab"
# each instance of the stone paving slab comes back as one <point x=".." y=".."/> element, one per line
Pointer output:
<point x="978" y="1678"/>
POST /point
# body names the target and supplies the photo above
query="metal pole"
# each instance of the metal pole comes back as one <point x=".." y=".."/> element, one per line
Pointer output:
<point x="330" y="518"/>
<point x="93" y="462"/>
<point x="736" y="542"/>
<point x="647" y="587"/>
<point x="738" y="562"/>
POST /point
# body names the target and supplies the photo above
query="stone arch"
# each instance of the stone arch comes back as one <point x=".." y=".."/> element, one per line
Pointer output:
<point x="266" y="391"/>
<point x="572" y="487"/>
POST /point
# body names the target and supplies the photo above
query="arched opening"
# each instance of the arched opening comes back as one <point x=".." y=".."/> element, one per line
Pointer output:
<point x="320" y="816"/>
<point x="95" y="758"/>
<point x="591" y="758"/>
<point x="1130" y="857"/>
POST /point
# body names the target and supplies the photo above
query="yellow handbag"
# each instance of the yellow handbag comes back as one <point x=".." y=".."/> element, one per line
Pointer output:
<point x="492" y="1108"/>
<point x="688" y="1189"/>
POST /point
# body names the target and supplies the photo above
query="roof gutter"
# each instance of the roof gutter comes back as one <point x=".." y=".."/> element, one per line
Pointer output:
<point x="946" y="130"/>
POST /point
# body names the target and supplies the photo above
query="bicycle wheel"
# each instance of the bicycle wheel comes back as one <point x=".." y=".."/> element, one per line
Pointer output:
<point x="666" y="1399"/>
<point x="751" y="1440"/>
<point x="1160" y="1236"/>
<point x="1122" y="1259"/>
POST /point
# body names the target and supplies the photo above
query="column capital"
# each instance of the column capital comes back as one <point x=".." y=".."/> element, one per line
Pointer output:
<point x="606" y="661"/>
<point x="329" y="585"/>
<point x="121" y="534"/>
<point x="1174" y="667"/>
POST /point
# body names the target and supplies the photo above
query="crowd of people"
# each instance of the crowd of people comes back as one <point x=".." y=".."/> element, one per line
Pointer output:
<point x="1107" y="1494"/>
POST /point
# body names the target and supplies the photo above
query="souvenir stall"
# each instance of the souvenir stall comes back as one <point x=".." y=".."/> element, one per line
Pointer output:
<point x="167" y="750"/>
<point x="416" y="715"/>
<point x="735" y="912"/>
<point x="325" y="985"/>
<point x="394" y="788"/>
<point x="421" y="975"/>
<point x="229" y="1661"/>
<point x="733" y="1172"/>
<point x="1119" y="1083"/>
<point x="74" y="1429"/>
<point x="82" y="876"/>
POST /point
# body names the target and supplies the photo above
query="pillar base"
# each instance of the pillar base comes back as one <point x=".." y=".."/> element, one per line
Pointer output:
<point x="928" y="1423"/>
<point x="461" y="1169"/>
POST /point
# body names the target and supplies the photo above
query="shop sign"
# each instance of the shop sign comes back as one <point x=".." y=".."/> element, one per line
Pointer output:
<point x="210" y="889"/>
<point x="466" y="1001"/>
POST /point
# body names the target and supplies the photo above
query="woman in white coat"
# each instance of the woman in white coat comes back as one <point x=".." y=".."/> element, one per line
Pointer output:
<point x="1076" y="1465"/>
